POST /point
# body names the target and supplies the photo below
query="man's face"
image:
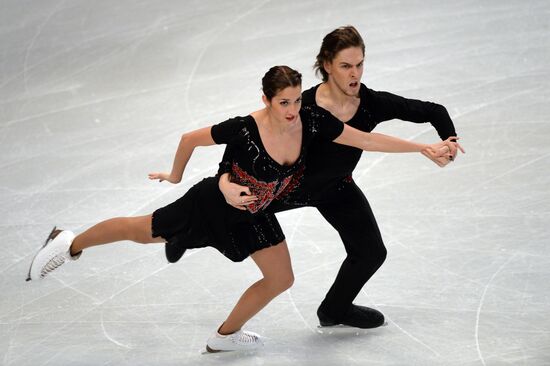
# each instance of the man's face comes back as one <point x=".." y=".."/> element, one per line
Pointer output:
<point x="346" y="70"/>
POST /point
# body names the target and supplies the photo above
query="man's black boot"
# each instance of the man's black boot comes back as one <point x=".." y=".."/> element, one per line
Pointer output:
<point x="357" y="316"/>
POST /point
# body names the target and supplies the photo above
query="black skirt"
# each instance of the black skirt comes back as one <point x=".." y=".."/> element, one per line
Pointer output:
<point x="202" y="218"/>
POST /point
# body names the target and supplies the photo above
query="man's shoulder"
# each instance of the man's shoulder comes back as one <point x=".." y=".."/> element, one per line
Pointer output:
<point x="374" y="97"/>
<point x="308" y="96"/>
<point x="365" y="92"/>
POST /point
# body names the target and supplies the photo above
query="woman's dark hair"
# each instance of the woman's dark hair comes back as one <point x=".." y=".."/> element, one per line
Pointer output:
<point x="334" y="42"/>
<point x="278" y="78"/>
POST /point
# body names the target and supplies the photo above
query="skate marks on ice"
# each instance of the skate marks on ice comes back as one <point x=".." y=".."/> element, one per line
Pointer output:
<point x="88" y="105"/>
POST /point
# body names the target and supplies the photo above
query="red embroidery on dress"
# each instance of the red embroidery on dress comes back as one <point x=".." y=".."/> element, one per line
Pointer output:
<point x="294" y="182"/>
<point x="265" y="191"/>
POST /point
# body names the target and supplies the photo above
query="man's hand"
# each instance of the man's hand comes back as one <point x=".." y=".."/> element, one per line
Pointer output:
<point x="236" y="195"/>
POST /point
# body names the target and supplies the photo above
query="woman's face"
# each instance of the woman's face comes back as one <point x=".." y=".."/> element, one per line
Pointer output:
<point x="346" y="70"/>
<point x="285" y="105"/>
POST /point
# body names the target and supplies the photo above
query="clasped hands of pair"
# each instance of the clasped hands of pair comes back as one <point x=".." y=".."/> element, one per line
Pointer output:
<point x="443" y="152"/>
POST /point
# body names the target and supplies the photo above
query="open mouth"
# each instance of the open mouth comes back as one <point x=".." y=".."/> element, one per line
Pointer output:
<point x="291" y="118"/>
<point x="354" y="84"/>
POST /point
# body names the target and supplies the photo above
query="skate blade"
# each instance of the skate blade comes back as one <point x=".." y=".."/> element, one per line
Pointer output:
<point x="48" y="239"/>
<point x="338" y="329"/>
<point x="341" y="330"/>
<point x="336" y="326"/>
<point x="210" y="350"/>
<point x="343" y="326"/>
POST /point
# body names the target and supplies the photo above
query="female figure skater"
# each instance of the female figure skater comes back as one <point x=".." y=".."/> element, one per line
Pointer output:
<point x="266" y="150"/>
<point x="327" y="183"/>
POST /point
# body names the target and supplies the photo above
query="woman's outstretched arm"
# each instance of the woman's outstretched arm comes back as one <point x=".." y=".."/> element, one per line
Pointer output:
<point x="188" y="142"/>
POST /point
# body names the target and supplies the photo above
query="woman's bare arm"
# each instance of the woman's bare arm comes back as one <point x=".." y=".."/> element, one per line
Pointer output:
<point x="188" y="142"/>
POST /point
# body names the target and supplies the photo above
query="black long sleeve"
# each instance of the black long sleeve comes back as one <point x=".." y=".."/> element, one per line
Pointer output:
<point x="385" y="106"/>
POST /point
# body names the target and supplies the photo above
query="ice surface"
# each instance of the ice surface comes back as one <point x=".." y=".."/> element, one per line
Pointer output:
<point x="94" y="95"/>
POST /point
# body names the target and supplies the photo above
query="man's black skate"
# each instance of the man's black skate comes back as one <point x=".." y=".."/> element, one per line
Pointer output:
<point x="357" y="316"/>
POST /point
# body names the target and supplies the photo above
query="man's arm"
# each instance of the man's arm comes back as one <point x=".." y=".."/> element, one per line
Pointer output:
<point x="387" y="106"/>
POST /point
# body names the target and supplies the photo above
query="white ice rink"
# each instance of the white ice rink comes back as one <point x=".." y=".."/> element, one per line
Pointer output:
<point x="95" y="94"/>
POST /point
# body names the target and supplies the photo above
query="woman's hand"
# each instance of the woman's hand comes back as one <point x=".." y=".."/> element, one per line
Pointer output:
<point x="163" y="176"/>
<point x="234" y="194"/>
<point x="441" y="161"/>
<point x="442" y="153"/>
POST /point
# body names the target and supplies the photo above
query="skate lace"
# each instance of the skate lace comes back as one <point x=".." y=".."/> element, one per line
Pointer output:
<point x="52" y="265"/>
<point x="245" y="338"/>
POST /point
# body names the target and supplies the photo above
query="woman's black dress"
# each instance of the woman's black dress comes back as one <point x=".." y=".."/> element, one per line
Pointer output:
<point x="202" y="217"/>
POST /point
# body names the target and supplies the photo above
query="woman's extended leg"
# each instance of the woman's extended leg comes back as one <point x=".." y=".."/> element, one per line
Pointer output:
<point x="275" y="265"/>
<point x="137" y="229"/>
<point x="62" y="245"/>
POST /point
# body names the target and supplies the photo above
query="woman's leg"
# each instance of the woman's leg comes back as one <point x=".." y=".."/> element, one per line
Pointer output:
<point x="62" y="245"/>
<point x="137" y="229"/>
<point x="274" y="262"/>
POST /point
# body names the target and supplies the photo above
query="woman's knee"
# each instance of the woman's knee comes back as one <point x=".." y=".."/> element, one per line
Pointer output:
<point x="287" y="281"/>
<point x="281" y="282"/>
<point x="139" y="229"/>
